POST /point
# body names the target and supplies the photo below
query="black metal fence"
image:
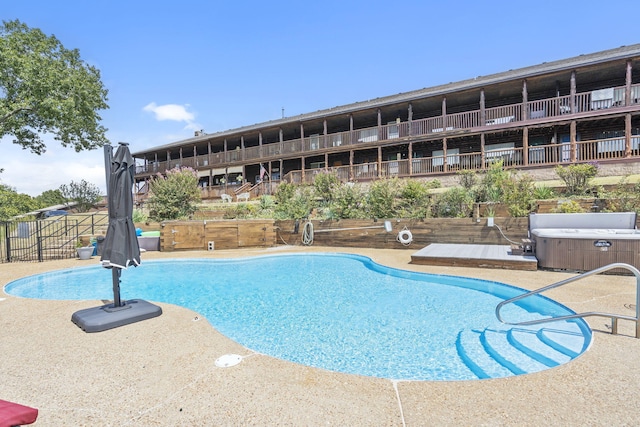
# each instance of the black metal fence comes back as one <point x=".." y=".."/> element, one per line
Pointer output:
<point x="47" y="239"/>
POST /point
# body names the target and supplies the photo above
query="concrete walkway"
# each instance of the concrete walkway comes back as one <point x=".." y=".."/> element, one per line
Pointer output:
<point x="162" y="372"/>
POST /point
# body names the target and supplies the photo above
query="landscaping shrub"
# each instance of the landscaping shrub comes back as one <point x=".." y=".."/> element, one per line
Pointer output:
<point x="381" y="198"/>
<point x="349" y="202"/>
<point x="490" y="188"/>
<point x="325" y="184"/>
<point x="543" y="193"/>
<point x="295" y="202"/>
<point x="577" y="178"/>
<point x="415" y="201"/>
<point x="518" y="194"/>
<point x="240" y="211"/>
<point x="456" y="202"/>
<point x="467" y="179"/>
<point x="139" y="216"/>
<point x="174" y="196"/>
<point x="625" y="197"/>
<point x="569" y="206"/>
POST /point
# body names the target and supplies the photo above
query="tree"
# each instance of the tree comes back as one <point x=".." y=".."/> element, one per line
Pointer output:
<point x="85" y="194"/>
<point x="45" y="88"/>
<point x="175" y="195"/>
<point x="50" y="198"/>
<point x="12" y="203"/>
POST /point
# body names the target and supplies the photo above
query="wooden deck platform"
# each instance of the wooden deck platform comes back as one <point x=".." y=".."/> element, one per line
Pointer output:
<point x="483" y="256"/>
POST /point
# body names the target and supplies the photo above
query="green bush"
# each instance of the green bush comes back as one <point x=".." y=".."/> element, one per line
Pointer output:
<point x="543" y="193"/>
<point x="569" y="206"/>
<point x="456" y="202"/>
<point x="298" y="205"/>
<point x="577" y="178"/>
<point x="415" y="201"/>
<point x="285" y="192"/>
<point x="467" y="178"/>
<point x="625" y="197"/>
<point x="325" y="184"/>
<point x="139" y="216"/>
<point x="518" y="194"/>
<point x="174" y="196"/>
<point x="240" y="211"/>
<point x="267" y="202"/>
<point x="381" y="198"/>
<point x="349" y="202"/>
<point x="490" y="188"/>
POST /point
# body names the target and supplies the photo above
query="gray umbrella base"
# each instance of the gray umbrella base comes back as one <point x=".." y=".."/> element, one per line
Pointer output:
<point x="98" y="319"/>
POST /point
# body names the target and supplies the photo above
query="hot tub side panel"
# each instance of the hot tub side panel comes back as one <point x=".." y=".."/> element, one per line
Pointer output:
<point x="585" y="254"/>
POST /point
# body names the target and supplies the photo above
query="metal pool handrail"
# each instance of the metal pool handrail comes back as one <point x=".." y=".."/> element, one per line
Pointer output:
<point x="614" y="317"/>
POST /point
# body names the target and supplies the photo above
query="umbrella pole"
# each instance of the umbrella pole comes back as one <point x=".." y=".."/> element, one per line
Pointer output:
<point x="115" y="273"/>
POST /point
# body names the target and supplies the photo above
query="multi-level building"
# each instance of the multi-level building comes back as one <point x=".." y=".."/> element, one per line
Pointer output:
<point x="580" y="109"/>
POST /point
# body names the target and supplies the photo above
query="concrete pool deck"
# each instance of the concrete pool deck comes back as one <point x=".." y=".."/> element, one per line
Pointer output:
<point x="162" y="371"/>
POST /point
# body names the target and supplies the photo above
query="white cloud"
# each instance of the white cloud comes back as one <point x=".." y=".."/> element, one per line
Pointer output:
<point x="173" y="112"/>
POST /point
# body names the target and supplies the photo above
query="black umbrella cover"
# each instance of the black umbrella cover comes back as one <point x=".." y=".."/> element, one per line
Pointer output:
<point x="121" y="248"/>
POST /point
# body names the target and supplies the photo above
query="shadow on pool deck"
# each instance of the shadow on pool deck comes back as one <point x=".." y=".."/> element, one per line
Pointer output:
<point x="162" y="371"/>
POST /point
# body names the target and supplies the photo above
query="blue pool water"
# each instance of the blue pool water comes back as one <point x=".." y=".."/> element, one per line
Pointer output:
<point x="345" y="313"/>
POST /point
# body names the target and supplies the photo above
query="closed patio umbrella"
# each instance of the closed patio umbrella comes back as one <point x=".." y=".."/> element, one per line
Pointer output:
<point x="121" y="248"/>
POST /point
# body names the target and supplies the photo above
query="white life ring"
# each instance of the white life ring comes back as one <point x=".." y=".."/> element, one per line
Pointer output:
<point x="405" y="237"/>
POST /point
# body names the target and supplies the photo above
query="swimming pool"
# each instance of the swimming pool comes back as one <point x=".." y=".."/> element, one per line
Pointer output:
<point x="345" y="313"/>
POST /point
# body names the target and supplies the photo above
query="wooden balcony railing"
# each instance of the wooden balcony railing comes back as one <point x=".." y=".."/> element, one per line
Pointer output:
<point x="494" y="117"/>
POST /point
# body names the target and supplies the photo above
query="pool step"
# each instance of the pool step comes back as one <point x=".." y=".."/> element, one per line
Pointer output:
<point x="476" y="358"/>
<point x="495" y="353"/>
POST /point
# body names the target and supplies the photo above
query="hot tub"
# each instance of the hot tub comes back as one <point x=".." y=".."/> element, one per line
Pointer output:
<point x="583" y="242"/>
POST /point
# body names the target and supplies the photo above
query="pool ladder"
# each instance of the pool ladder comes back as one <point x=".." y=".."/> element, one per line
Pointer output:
<point x="614" y="317"/>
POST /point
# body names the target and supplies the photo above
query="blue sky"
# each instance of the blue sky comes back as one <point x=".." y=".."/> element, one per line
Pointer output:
<point x="175" y="67"/>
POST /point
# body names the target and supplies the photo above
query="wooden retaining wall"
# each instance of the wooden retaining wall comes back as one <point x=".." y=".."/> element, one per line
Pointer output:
<point x="231" y="234"/>
<point x="425" y="232"/>
<point x="234" y="234"/>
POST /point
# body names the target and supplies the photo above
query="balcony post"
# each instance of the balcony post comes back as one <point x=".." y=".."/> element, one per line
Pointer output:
<point x="302" y="146"/>
<point x="627" y="88"/>
<point x="379" y="161"/>
<point x="444" y="114"/>
<point x="351" y="135"/>
<point x="483" y="113"/>
<point x="483" y="156"/>
<point x="350" y="165"/>
<point x="324" y="133"/>
<point x="572" y="92"/>
<point x="410" y="156"/>
<point x="410" y="119"/>
<point x="525" y="146"/>
<point x="572" y="135"/>
<point x="627" y="135"/>
<point x="525" y="100"/>
<point x="445" y="164"/>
